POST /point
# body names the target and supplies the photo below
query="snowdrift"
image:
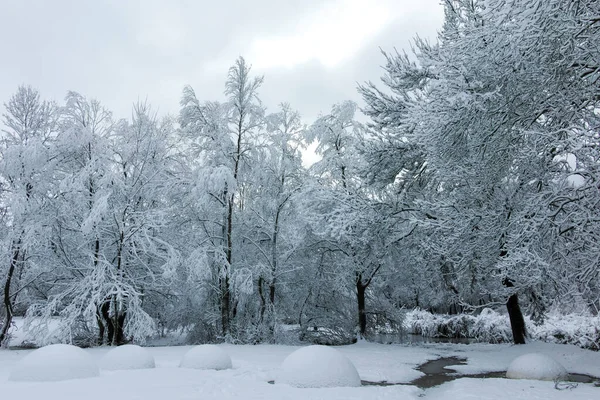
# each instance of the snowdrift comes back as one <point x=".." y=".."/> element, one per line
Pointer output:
<point x="128" y="356"/>
<point x="56" y="362"/>
<point x="317" y="367"/>
<point x="536" y="366"/>
<point x="206" y="356"/>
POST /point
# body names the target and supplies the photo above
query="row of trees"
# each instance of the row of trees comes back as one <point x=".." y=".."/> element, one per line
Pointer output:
<point x="474" y="181"/>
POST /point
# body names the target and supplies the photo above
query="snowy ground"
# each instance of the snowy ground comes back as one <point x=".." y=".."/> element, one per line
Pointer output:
<point x="254" y="366"/>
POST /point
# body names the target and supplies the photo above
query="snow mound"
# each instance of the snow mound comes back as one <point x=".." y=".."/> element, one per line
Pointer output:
<point x="128" y="356"/>
<point x="536" y="366"/>
<point x="56" y="362"/>
<point x="317" y="367"/>
<point x="206" y="356"/>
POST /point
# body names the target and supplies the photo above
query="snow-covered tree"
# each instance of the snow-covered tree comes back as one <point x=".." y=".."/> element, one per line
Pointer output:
<point x="26" y="171"/>
<point x="228" y="135"/>
<point x="489" y="110"/>
<point x="111" y="211"/>
<point x="269" y="209"/>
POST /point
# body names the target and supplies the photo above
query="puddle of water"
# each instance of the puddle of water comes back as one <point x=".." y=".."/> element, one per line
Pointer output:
<point x="583" y="378"/>
<point x="436" y="372"/>
<point x="438" y="366"/>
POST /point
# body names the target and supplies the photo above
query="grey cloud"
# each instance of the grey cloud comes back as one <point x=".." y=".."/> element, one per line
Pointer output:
<point x="119" y="51"/>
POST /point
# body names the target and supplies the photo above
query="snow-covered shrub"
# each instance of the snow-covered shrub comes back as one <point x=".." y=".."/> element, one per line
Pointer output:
<point x="128" y="356"/>
<point x="56" y="362"/>
<point x="318" y="366"/>
<point x="419" y="322"/>
<point x="536" y="366"/>
<point x="492" y="327"/>
<point x="424" y="323"/>
<point x="206" y="356"/>
<point x="458" y="326"/>
<point x="580" y="330"/>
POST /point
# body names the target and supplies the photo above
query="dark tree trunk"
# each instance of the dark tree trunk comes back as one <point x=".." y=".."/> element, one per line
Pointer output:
<point x="224" y="280"/>
<point x="99" y="315"/>
<point x="225" y="302"/>
<point x="274" y="259"/>
<point x="517" y="322"/>
<point x="360" y="297"/>
<point x="101" y="327"/>
<point x="104" y="310"/>
<point x="8" y="306"/>
<point x="263" y="303"/>
<point x="120" y="329"/>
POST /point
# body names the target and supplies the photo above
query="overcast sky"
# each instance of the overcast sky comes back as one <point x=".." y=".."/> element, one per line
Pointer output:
<point x="312" y="52"/>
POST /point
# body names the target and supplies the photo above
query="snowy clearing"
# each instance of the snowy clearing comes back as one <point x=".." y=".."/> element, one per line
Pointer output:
<point x="255" y="366"/>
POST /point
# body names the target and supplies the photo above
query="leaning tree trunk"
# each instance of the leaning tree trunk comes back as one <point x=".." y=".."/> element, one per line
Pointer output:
<point x="517" y="322"/>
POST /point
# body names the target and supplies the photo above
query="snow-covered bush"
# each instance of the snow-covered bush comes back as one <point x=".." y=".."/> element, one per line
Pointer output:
<point x="420" y="322"/>
<point x="536" y="366"/>
<point x="492" y="327"/>
<point x="318" y="366"/>
<point x="580" y="330"/>
<point x="206" y="356"/>
<point x="128" y="356"/>
<point x="489" y="326"/>
<point x="56" y="362"/>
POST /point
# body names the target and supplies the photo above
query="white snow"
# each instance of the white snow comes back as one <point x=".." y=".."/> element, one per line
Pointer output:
<point x="128" y="356"/>
<point x="536" y="366"/>
<point x="56" y="362"/>
<point x="317" y="367"/>
<point x="256" y="365"/>
<point x="513" y="389"/>
<point x="206" y="356"/>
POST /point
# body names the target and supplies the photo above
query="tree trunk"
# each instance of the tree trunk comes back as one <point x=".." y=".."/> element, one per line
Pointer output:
<point x="119" y="313"/>
<point x="104" y="310"/>
<point x="263" y="303"/>
<point x="101" y="326"/>
<point x="360" y="297"/>
<point x="224" y="279"/>
<point x="8" y="306"/>
<point x="120" y="331"/>
<point x="517" y="322"/>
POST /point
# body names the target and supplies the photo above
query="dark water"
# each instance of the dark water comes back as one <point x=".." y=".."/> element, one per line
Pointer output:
<point x="436" y="372"/>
